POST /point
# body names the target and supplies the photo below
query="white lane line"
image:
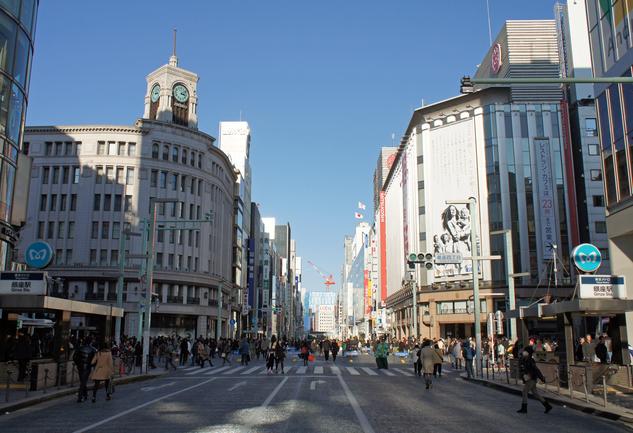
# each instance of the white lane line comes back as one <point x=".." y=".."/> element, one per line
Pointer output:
<point x="387" y="372"/>
<point x="369" y="371"/>
<point x="287" y="369"/>
<point x="403" y="372"/>
<point x="234" y="370"/>
<point x="90" y="427"/>
<point x="209" y="373"/>
<point x="318" y="370"/>
<point x="249" y="371"/>
<point x="364" y="422"/>
<point x="336" y="370"/>
<point x="302" y="370"/>
<point x="259" y="412"/>
<point x="352" y="371"/>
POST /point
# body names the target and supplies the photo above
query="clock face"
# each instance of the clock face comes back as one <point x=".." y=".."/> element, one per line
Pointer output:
<point x="496" y="58"/>
<point x="155" y="93"/>
<point x="181" y="93"/>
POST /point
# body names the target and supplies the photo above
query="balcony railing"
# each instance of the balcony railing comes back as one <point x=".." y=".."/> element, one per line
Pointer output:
<point x="213" y="302"/>
<point x="193" y="301"/>
<point x="90" y="296"/>
<point x="174" y="299"/>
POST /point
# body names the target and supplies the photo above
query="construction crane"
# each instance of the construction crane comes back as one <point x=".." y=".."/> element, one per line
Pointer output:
<point x="328" y="281"/>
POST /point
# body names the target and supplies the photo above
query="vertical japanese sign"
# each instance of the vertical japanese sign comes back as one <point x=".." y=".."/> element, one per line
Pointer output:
<point x="266" y="267"/>
<point x="383" y="249"/>
<point x="405" y="202"/>
<point x="367" y="296"/>
<point x="250" y="293"/>
<point x="569" y="172"/>
<point x="546" y="194"/>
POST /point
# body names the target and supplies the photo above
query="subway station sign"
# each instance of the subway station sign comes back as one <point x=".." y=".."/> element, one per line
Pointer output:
<point x="602" y="287"/>
<point x="23" y="283"/>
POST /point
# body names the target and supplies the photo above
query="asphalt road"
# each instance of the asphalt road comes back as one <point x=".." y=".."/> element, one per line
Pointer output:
<point x="324" y="397"/>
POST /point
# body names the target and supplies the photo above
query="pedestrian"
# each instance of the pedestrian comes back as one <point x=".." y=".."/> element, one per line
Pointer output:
<point x="184" y="351"/>
<point x="104" y="369"/>
<point x="326" y="349"/>
<point x="23" y="354"/>
<point x="437" y="366"/>
<point x="334" y="350"/>
<point x="427" y="360"/>
<point x="244" y="351"/>
<point x="457" y="354"/>
<point x="609" y="345"/>
<point x="531" y="374"/>
<point x="589" y="349"/>
<point x="203" y="351"/>
<point x="227" y="354"/>
<point x="305" y="353"/>
<point x="413" y="356"/>
<point x="270" y="360"/>
<point x="382" y="352"/>
<point x="83" y="360"/>
<point x="601" y="350"/>
<point x="280" y="356"/>
<point x="468" y="353"/>
<point x="170" y="351"/>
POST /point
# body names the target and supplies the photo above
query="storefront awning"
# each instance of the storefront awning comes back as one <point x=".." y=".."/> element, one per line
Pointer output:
<point x="47" y="304"/>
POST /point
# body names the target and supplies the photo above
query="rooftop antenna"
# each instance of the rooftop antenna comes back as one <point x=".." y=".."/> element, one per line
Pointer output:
<point x="175" y="30"/>
<point x="489" y="30"/>
<point x="393" y="140"/>
<point x="240" y="115"/>
<point x="173" y="60"/>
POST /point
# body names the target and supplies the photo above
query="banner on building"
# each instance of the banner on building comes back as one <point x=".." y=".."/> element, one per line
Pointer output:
<point x="547" y="202"/>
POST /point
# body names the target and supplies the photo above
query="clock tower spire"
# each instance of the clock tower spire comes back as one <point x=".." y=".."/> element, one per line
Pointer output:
<point x="172" y="94"/>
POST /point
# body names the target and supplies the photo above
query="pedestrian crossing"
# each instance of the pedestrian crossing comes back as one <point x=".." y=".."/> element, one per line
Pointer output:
<point x="242" y="370"/>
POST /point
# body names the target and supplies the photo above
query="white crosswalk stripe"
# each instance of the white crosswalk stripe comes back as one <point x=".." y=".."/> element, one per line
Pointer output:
<point x="197" y="370"/>
<point x="387" y="372"/>
<point x="216" y="370"/>
<point x="352" y="371"/>
<point x="234" y="370"/>
<point x="302" y="370"/>
<point x="336" y="370"/>
<point x="318" y="370"/>
<point x="249" y="371"/>
<point x="403" y="372"/>
<point x="190" y="368"/>
<point x="369" y="371"/>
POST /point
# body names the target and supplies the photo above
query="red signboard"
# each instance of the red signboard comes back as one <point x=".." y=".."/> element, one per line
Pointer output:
<point x="383" y="249"/>
<point x="569" y="173"/>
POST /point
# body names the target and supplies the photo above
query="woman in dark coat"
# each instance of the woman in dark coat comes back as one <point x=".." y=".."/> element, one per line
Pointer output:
<point x="334" y="350"/>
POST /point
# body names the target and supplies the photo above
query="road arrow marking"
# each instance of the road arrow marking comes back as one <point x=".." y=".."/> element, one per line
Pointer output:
<point x="152" y="388"/>
<point x="237" y="385"/>
<point x="314" y="382"/>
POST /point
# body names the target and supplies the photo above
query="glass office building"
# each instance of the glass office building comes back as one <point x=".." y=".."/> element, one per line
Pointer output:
<point x="17" y="30"/>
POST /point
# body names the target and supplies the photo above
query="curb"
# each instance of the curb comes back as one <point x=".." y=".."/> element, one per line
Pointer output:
<point x="558" y="401"/>
<point x="70" y="391"/>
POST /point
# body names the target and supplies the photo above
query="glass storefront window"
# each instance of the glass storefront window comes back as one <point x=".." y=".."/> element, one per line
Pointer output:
<point x="616" y="113"/>
<point x="8" y="32"/>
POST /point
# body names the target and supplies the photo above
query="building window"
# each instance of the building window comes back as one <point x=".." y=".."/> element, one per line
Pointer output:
<point x="105" y="230"/>
<point x="155" y="151"/>
<point x="160" y="235"/>
<point x="191" y="210"/>
<point x="590" y="128"/>
<point x="95" y="230"/>
<point x="55" y="175"/>
<point x="601" y="227"/>
<point x="112" y="148"/>
<point x="179" y="263"/>
<point x="51" y="230"/>
<point x="170" y="261"/>
<point x="59" y="257"/>
<point x="99" y="178"/>
<point x="101" y="149"/>
<point x="165" y="153"/>
<point x="189" y="238"/>
<point x="49" y="149"/>
<point x="65" y="175"/>
<point x="121" y="149"/>
<point x="199" y="188"/>
<point x="114" y="257"/>
<point x="192" y="159"/>
<point x="596" y="174"/>
<point x="68" y="148"/>
<point x="171" y="236"/>
<point x="161" y="208"/>
<point x="46" y="172"/>
<point x="117" y="202"/>
<point x="172" y="212"/>
<point x="73" y="202"/>
<point x="107" y="202"/>
<point x="97" y="204"/>
<point x="103" y="261"/>
<point x="195" y="264"/>
<point x="71" y="230"/>
<point x="184" y="156"/>
<point x="604" y="252"/>
<point x="598" y="201"/>
<point x="131" y="149"/>
<point x="76" y="175"/>
<point x="129" y="180"/>
<point x="78" y="148"/>
<point x="61" y="231"/>
<point x="128" y="203"/>
<point x="63" y="203"/>
<point x="53" y="202"/>
<point x="163" y="180"/>
<point x="197" y="239"/>
<point x="69" y="257"/>
<point x="174" y="182"/>
<point x="40" y="229"/>
<point x="116" y="230"/>
<point x="119" y="175"/>
<point x="159" y="261"/>
<point x="93" y="257"/>
<point x="109" y="175"/>
<point x="183" y="180"/>
<point x="174" y="154"/>
<point x="153" y="179"/>
<point x="43" y="202"/>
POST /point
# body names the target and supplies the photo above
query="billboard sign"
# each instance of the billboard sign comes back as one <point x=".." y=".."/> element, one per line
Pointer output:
<point x="23" y="283"/>
<point x="602" y="287"/>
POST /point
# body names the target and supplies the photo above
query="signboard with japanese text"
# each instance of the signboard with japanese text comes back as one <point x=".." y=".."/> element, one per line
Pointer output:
<point x="602" y="287"/>
<point x="23" y="283"/>
<point x="251" y="273"/>
<point x="547" y="203"/>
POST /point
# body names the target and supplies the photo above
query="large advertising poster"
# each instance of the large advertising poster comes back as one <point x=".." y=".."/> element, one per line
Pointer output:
<point x="383" y="249"/>
<point x="547" y="204"/>
<point x="405" y="204"/>
<point x="451" y="165"/>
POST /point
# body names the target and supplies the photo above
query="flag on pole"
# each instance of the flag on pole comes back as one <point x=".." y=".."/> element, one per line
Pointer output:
<point x="361" y="206"/>
<point x="358" y="215"/>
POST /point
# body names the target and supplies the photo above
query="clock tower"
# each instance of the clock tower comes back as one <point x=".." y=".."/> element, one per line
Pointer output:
<point x="172" y="94"/>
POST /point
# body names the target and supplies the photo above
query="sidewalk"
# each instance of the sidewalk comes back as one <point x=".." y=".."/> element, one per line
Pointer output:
<point x="619" y="401"/>
<point x="19" y="400"/>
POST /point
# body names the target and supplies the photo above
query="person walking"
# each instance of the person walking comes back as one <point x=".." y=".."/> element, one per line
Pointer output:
<point x="280" y="356"/>
<point x="413" y="357"/>
<point x="382" y="352"/>
<point x="457" y="354"/>
<point x="334" y="350"/>
<point x="83" y="360"/>
<point x="468" y="353"/>
<point x="184" y="351"/>
<point x="244" y="351"/>
<point x="170" y="351"/>
<point x="437" y="366"/>
<point x="22" y="353"/>
<point x="531" y="374"/>
<point x="226" y="352"/>
<point x="104" y="369"/>
<point x="203" y="350"/>
<point x="326" y="346"/>
<point x="427" y="360"/>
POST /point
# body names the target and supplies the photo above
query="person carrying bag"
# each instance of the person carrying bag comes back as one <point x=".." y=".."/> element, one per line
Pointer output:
<point x="104" y="370"/>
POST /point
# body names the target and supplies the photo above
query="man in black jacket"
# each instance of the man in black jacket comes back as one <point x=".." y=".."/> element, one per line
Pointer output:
<point x="83" y="359"/>
<point x="23" y="354"/>
<point x="531" y="374"/>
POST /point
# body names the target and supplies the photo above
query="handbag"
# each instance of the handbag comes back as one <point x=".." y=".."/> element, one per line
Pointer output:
<point x="111" y="386"/>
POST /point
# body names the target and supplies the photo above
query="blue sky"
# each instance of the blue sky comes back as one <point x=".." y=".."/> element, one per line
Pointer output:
<point x="322" y="84"/>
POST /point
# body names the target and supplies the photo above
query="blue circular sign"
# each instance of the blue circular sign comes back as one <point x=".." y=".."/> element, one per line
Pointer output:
<point x="586" y="258"/>
<point x="232" y="321"/>
<point x="39" y="255"/>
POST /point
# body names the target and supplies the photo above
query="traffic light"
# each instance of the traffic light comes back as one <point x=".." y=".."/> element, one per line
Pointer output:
<point x="274" y="310"/>
<point x="425" y="259"/>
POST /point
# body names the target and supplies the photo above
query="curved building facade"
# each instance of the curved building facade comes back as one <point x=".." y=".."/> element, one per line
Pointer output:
<point x="17" y="30"/>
